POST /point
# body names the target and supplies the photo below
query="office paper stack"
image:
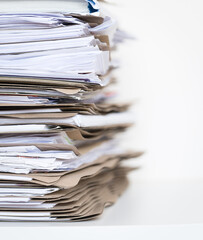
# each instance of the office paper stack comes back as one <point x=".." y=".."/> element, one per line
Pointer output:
<point x="60" y="159"/>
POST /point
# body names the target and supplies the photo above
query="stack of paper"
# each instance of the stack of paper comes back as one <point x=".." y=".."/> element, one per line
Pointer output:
<point x="59" y="159"/>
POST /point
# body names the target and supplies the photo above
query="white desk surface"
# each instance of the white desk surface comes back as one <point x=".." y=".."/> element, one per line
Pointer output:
<point x="163" y="70"/>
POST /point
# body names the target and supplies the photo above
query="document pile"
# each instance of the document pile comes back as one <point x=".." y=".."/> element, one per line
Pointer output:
<point x="59" y="160"/>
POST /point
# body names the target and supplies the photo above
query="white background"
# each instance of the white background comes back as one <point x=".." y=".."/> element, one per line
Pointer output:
<point x="162" y="71"/>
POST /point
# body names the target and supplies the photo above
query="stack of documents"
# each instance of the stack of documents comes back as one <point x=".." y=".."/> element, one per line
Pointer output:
<point x="59" y="157"/>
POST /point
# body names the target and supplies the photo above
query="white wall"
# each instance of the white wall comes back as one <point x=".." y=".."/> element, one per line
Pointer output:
<point x="163" y="70"/>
